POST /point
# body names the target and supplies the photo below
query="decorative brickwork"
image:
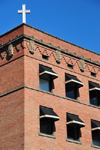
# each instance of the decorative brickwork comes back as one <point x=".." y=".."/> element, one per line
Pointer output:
<point x="31" y="48"/>
<point x="10" y="50"/>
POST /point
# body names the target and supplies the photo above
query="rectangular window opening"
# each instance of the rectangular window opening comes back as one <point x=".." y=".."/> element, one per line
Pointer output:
<point x="93" y="74"/>
<point x="70" y="66"/>
<point x="71" y="92"/>
<point x="94" y="98"/>
<point x="95" y="129"/>
<point x="74" y="123"/>
<point x="72" y="85"/>
<point x="96" y="138"/>
<point x="73" y="133"/>
<point x="94" y="93"/>
<point x="47" y="120"/>
<point x="46" y="126"/>
<point x="46" y="77"/>
<point x="44" y="84"/>
<point x="45" y="57"/>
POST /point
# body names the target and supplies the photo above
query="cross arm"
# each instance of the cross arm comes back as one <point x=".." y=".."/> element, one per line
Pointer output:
<point x="27" y="11"/>
<point x="20" y="11"/>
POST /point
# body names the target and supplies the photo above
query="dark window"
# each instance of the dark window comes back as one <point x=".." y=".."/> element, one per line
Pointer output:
<point x="46" y="77"/>
<point x="45" y="57"/>
<point x="47" y="126"/>
<point x="71" y="91"/>
<point x="47" y="120"/>
<point x="96" y="137"/>
<point x="94" y="93"/>
<point x="74" y="123"/>
<point x="94" y="98"/>
<point x="70" y="66"/>
<point x="73" y="132"/>
<point x="72" y="84"/>
<point x="95" y="129"/>
<point x="93" y="74"/>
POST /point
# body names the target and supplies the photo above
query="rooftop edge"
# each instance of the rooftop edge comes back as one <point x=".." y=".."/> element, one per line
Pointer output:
<point x="49" y="35"/>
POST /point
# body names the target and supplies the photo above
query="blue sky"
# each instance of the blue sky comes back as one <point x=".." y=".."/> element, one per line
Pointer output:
<point x="77" y="21"/>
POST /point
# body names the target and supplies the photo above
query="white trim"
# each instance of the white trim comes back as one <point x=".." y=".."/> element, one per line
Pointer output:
<point x="48" y="73"/>
<point x="97" y="128"/>
<point x="77" y="122"/>
<point x="49" y="116"/>
<point x="47" y="135"/>
<point x="72" y="80"/>
<point x="95" y="88"/>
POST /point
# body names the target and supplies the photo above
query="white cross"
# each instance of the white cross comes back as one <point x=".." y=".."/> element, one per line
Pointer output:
<point x="23" y="11"/>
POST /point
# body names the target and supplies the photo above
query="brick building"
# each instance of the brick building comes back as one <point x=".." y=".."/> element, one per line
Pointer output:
<point x="49" y="93"/>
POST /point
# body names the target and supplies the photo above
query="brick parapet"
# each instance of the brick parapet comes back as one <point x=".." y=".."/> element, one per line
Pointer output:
<point x="21" y="46"/>
<point x="41" y="42"/>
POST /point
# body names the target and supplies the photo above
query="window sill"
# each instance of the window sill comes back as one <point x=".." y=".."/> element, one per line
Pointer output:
<point x="95" y="146"/>
<point x="47" y="135"/>
<point x="49" y="92"/>
<point x="73" y="141"/>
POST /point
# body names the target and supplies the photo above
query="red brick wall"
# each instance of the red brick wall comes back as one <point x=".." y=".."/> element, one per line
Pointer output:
<point x="11" y="35"/>
<point x="12" y="75"/>
<point x="32" y="72"/>
<point x="12" y="121"/>
<point x="34" y="98"/>
<point x="20" y="110"/>
<point x="12" y="104"/>
<point x="60" y="106"/>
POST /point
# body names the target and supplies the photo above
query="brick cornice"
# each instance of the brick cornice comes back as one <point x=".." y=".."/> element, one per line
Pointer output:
<point x="50" y="46"/>
<point x="24" y="24"/>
